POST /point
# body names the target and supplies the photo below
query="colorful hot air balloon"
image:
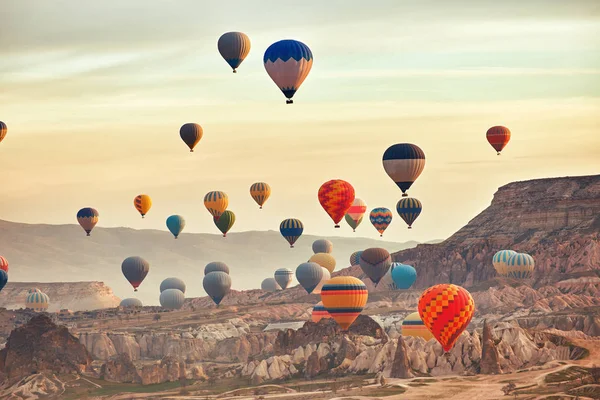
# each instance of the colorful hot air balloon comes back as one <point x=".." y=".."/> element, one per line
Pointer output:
<point x="288" y="63"/>
<point x="87" y="218"/>
<point x="357" y="209"/>
<point x="322" y="246"/>
<point x="172" y="283"/>
<point x="336" y="196"/>
<point x="498" y="136"/>
<point x="353" y="224"/>
<point x="375" y="263"/>
<point x="191" y="134"/>
<point x="326" y="276"/>
<point x="446" y="310"/>
<point x="260" y="192"/>
<point x="216" y="266"/>
<point x="413" y="326"/>
<point x="404" y="162"/>
<point x="3" y="264"/>
<point x="520" y="266"/>
<point x="225" y="222"/>
<point x="270" y="285"/>
<point x="216" y="203"/>
<point x="3" y="279"/>
<point x="284" y="277"/>
<point x="291" y="229"/>
<point x="37" y="301"/>
<point x="355" y="258"/>
<point x="344" y="298"/>
<point x="33" y="290"/>
<point x="172" y="299"/>
<point x="325" y="260"/>
<point x="142" y="203"/>
<point x="135" y="270"/>
<point x="319" y="312"/>
<point x="500" y="260"/>
<point x="381" y="218"/>
<point x="409" y="209"/>
<point x="217" y="285"/>
<point x="309" y="275"/>
<point x="3" y="130"/>
<point x="131" y="302"/>
<point x="234" y="47"/>
<point x="403" y="275"/>
<point x="175" y="223"/>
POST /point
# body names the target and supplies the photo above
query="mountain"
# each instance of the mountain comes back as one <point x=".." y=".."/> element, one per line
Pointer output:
<point x="62" y="253"/>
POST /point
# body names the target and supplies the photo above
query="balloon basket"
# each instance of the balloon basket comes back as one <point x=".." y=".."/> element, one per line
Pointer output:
<point x="260" y="208"/>
<point x="336" y="226"/>
<point x="234" y="71"/>
<point x="291" y="246"/>
<point x="410" y="227"/>
<point x="88" y="234"/>
<point x="224" y="235"/>
<point x="498" y="153"/>
<point x="191" y="151"/>
<point x="404" y="195"/>
<point x="289" y="102"/>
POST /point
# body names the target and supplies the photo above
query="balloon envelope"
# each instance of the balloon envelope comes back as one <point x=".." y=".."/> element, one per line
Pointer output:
<point x="37" y="301"/>
<point x="142" y="203"/>
<point x="3" y="130"/>
<point x="131" y="302"/>
<point x="498" y="137"/>
<point x="216" y="266"/>
<point x="288" y="63"/>
<point x="381" y="218"/>
<point x="291" y="229"/>
<point x="172" y="283"/>
<point x="409" y="209"/>
<point x="284" y="277"/>
<point x="87" y="218"/>
<point x="520" y="266"/>
<point x="216" y="203"/>
<point x="353" y="224"/>
<point x="326" y="276"/>
<point x="225" y="221"/>
<point x="270" y="285"/>
<point x="375" y="263"/>
<point x="234" y="47"/>
<point x="175" y="224"/>
<point x="412" y="325"/>
<point x="260" y="192"/>
<point x="357" y="209"/>
<point x="3" y="264"/>
<point x="172" y="299"/>
<point x="403" y="275"/>
<point x="404" y="162"/>
<point x="135" y="270"/>
<point x="309" y="275"/>
<point x="3" y="279"/>
<point x="217" y="285"/>
<point x="319" y="312"/>
<point x="336" y="196"/>
<point x="344" y="298"/>
<point x="500" y="261"/>
<point x="191" y="134"/>
<point x="325" y="260"/>
<point x="322" y="246"/>
<point x="355" y="258"/>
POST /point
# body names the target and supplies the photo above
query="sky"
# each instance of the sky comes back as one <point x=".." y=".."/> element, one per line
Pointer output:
<point x="94" y="94"/>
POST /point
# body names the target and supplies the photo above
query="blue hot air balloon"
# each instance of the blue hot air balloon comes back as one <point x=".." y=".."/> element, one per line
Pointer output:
<point x="175" y="223"/>
<point x="403" y="275"/>
<point x="288" y="63"/>
<point x="3" y="279"/>
<point x="409" y="209"/>
<point x="291" y="229"/>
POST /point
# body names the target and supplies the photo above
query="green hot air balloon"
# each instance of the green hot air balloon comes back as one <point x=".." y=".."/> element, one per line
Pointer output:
<point x="217" y="285"/>
<point x="135" y="270"/>
<point x="375" y="263"/>
<point x="172" y="299"/>
<point x="216" y="266"/>
<point x="353" y="224"/>
<point x="172" y="283"/>
<point x="175" y="223"/>
<point x="309" y="275"/>
<point x="225" y="222"/>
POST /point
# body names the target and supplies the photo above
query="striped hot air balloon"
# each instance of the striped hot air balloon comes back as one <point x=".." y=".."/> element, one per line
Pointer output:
<point x="142" y="203"/>
<point x="37" y="301"/>
<point x="191" y="134"/>
<point x="260" y="192"/>
<point x="355" y="258"/>
<point x="216" y="203"/>
<point x="446" y="310"/>
<point x="500" y="259"/>
<point x="172" y="283"/>
<point x="234" y="47"/>
<point x="87" y="218"/>
<point x="344" y="298"/>
<point x="284" y="277"/>
<point x="216" y="266"/>
<point x="409" y="210"/>
<point x="225" y="222"/>
<point x="381" y="218"/>
<point x="288" y="63"/>
<point x="412" y="325"/>
<point x="404" y="162"/>
<point x="375" y="263"/>
<point x="322" y="246"/>
<point x="498" y="137"/>
<point x="171" y="299"/>
<point x="357" y="209"/>
<point x="3" y="130"/>
<point x="520" y="266"/>
<point x="325" y="260"/>
<point x="3" y="264"/>
<point x="336" y="197"/>
<point x="291" y="229"/>
<point x="131" y="302"/>
<point x="319" y="312"/>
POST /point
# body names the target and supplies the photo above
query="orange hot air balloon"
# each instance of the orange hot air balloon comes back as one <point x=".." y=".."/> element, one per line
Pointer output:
<point x="446" y="310"/>
<point x="498" y="136"/>
<point x="336" y="197"/>
<point x="344" y="298"/>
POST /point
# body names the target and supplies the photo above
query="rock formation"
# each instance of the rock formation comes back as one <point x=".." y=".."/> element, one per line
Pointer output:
<point x="490" y="363"/>
<point x="401" y="365"/>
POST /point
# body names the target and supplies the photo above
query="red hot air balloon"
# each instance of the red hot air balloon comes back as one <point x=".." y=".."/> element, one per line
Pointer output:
<point x="336" y="197"/>
<point x="498" y="136"/>
<point x="446" y="310"/>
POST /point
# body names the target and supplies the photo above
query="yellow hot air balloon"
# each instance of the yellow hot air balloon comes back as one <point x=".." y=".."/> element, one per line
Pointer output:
<point x="260" y="192"/>
<point x="325" y="260"/>
<point x="344" y="298"/>
<point x="142" y="203"/>
<point x="216" y="203"/>
<point x="413" y="326"/>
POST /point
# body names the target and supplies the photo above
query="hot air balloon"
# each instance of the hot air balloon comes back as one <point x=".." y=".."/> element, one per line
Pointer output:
<point x="404" y="162"/>
<point x="336" y="196"/>
<point x="217" y="285"/>
<point x="520" y="266"/>
<point x="225" y="222"/>
<point x="288" y="63"/>
<point x="413" y="326"/>
<point x="403" y="275"/>
<point x="270" y="285"/>
<point x="500" y="259"/>
<point x="357" y="209"/>
<point x="353" y="224"/>
<point x="325" y="260"/>
<point x="344" y="298"/>
<point x="172" y="283"/>
<point x="498" y="136"/>
<point x="37" y="301"/>
<point x="3" y="130"/>
<point x="216" y="203"/>
<point x="319" y="312"/>
<point x="191" y="134"/>
<point x="3" y="279"/>
<point x="291" y="229"/>
<point x="33" y="290"/>
<point x="260" y="192"/>
<point x="142" y="203"/>
<point x="409" y="209"/>
<point x="284" y="277"/>
<point x="3" y="264"/>
<point x="172" y="299"/>
<point x="135" y="270"/>
<point x="381" y="218"/>
<point x="309" y="275"/>
<point x="87" y="218"/>
<point x="131" y="302"/>
<point x="375" y="263"/>
<point x="355" y="258"/>
<point x="216" y="266"/>
<point x="175" y="223"/>
<point x="446" y="310"/>
<point x="322" y="246"/>
<point x="326" y="276"/>
<point x="234" y="47"/>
